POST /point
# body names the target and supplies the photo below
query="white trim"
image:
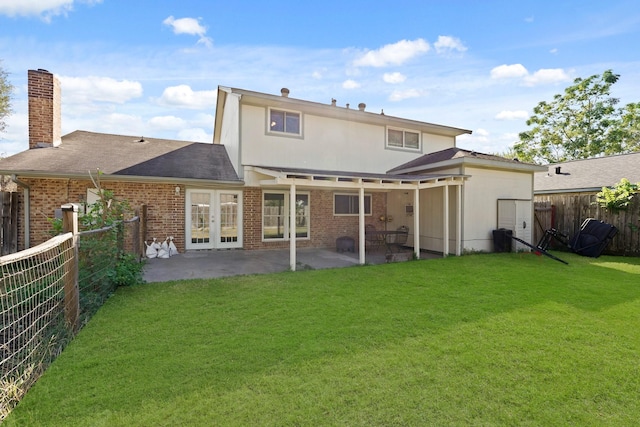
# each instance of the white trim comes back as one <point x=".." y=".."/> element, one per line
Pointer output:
<point x="404" y="139"/>
<point x="353" y="195"/>
<point x="269" y="131"/>
<point x="287" y="209"/>
<point x="215" y="230"/>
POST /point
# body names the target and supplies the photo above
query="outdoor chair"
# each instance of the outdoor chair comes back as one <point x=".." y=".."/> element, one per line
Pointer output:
<point x="372" y="238"/>
<point x="400" y="239"/>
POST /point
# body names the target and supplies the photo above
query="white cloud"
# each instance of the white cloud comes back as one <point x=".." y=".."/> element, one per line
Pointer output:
<point x="542" y="76"/>
<point x="394" y="78"/>
<point x="399" y="95"/>
<point x="167" y="122"/>
<point x="195" y="135"/>
<point x="508" y="71"/>
<point x="203" y="120"/>
<point x="92" y="88"/>
<point x="446" y="44"/>
<point x="46" y="9"/>
<point x="185" y="97"/>
<point x="393" y="54"/>
<point x="478" y="140"/>
<point x="350" y="84"/>
<point x="512" y="115"/>
<point x="190" y="26"/>
<point x="125" y="124"/>
<point x="553" y="51"/>
<point x="547" y="76"/>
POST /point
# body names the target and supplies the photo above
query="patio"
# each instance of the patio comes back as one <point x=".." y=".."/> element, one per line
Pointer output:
<point x="211" y="264"/>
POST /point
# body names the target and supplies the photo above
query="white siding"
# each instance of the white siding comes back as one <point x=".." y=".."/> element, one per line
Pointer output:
<point x="481" y="194"/>
<point x="229" y="135"/>
<point x="326" y="143"/>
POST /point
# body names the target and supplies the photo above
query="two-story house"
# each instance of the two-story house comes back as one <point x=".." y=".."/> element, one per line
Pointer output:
<point x="281" y="173"/>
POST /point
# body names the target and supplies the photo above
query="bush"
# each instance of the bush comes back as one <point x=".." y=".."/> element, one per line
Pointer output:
<point x="618" y="197"/>
<point x="127" y="271"/>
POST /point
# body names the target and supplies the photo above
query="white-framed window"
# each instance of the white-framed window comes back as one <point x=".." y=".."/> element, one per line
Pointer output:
<point x="345" y="204"/>
<point x="403" y="138"/>
<point x="275" y="215"/>
<point x="284" y="122"/>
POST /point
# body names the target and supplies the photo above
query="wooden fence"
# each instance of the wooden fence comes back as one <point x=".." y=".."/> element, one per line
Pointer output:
<point x="9" y="222"/>
<point x="566" y="212"/>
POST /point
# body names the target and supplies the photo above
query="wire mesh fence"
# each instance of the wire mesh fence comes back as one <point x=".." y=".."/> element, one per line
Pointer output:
<point x="32" y="309"/>
<point x="48" y="292"/>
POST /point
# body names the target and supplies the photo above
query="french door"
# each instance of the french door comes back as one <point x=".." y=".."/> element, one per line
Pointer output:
<point x="213" y="219"/>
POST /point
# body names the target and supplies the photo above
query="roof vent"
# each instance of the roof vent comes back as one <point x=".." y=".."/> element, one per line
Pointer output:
<point x="333" y="102"/>
<point x="285" y="92"/>
<point x="558" y="170"/>
<point x="362" y="106"/>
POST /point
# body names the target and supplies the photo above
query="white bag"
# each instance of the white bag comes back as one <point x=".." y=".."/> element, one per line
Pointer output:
<point x="163" y="252"/>
<point x="172" y="248"/>
<point x="156" y="245"/>
<point x="151" y="251"/>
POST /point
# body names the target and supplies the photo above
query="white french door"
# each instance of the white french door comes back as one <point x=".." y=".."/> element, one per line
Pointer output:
<point x="213" y="219"/>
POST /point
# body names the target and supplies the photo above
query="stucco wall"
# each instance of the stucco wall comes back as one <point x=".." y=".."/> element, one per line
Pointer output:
<point x="326" y="143"/>
<point x="481" y="194"/>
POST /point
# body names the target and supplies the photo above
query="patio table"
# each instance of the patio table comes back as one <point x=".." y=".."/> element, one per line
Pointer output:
<point x="385" y="237"/>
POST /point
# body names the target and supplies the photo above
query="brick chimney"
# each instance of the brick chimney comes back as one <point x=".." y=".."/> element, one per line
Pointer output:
<point x="44" y="109"/>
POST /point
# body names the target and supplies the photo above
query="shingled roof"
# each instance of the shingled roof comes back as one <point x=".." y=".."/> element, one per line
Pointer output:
<point x="588" y="175"/>
<point x="456" y="156"/>
<point x="126" y="156"/>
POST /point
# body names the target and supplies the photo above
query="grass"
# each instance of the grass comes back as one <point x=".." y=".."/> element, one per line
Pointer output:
<point x="501" y="339"/>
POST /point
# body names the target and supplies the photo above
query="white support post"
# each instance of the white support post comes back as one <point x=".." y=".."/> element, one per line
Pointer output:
<point x="445" y="234"/>
<point x="416" y="221"/>
<point x="292" y="227"/>
<point x="458" y="220"/>
<point x="361" y="241"/>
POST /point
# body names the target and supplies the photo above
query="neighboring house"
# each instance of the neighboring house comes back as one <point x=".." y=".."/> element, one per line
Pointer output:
<point x="333" y="169"/>
<point x="565" y="195"/>
<point x="587" y="176"/>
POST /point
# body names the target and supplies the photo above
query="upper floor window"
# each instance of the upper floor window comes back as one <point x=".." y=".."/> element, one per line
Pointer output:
<point x="285" y="122"/>
<point x="399" y="138"/>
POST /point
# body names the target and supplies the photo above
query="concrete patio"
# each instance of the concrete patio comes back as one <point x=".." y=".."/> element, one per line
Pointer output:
<point x="211" y="264"/>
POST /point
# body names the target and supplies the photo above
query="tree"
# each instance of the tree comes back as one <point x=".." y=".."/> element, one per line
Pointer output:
<point x="581" y="123"/>
<point x="6" y="90"/>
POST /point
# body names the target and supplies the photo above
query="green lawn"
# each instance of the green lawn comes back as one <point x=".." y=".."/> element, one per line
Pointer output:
<point x="500" y="339"/>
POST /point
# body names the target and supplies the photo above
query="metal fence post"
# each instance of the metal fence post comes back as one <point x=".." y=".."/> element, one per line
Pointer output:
<point x="71" y="288"/>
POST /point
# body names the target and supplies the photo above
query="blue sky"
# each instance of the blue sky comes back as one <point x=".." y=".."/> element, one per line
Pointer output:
<point x="151" y="68"/>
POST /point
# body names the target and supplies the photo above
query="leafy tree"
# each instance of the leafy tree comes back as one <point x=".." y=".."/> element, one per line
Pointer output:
<point x="5" y="97"/>
<point x="581" y="123"/>
<point x="618" y="197"/>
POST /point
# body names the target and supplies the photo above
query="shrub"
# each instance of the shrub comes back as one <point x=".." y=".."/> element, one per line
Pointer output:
<point x="618" y="197"/>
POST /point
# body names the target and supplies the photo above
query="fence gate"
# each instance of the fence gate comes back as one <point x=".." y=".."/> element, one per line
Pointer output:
<point x="9" y="230"/>
<point x="544" y="213"/>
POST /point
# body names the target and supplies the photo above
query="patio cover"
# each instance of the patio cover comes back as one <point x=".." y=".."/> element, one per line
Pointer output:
<point x="305" y="178"/>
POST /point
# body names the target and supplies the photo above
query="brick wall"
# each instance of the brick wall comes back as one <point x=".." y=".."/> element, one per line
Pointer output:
<point x="166" y="212"/>
<point x="325" y="228"/>
<point x="165" y="209"/>
<point x="44" y="109"/>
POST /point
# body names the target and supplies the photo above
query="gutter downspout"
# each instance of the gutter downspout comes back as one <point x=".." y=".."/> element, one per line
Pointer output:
<point x="27" y="209"/>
